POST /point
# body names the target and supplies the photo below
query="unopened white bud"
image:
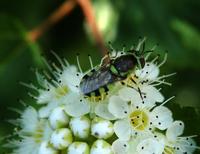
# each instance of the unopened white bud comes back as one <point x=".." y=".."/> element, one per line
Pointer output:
<point x="101" y="128"/>
<point x="78" y="148"/>
<point x="101" y="147"/>
<point x="58" y="118"/>
<point x="46" y="148"/>
<point x="61" y="138"/>
<point x="80" y="127"/>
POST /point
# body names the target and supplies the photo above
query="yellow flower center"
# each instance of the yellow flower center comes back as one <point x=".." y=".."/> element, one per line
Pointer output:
<point x="168" y="150"/>
<point x="131" y="81"/>
<point x="139" y="120"/>
<point x="94" y="98"/>
<point x="61" y="91"/>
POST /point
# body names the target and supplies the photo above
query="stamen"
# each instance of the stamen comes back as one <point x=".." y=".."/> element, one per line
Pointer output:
<point x="124" y="48"/>
<point x="138" y="125"/>
<point x="32" y="96"/>
<point x="48" y="66"/>
<point x="22" y="102"/>
<point x="47" y="75"/>
<point x="163" y="82"/>
<point x="140" y="43"/>
<point x="168" y="150"/>
<point x="56" y="83"/>
<point x="164" y="60"/>
<point x="31" y="86"/>
<point x="155" y="59"/>
<point x="191" y="146"/>
<point x="166" y="76"/>
<point x="78" y="63"/>
<point x="91" y="63"/>
<point x="56" y="67"/>
<point x="169" y="99"/>
<point x="185" y="137"/>
<point x="150" y="52"/>
<point x="58" y="58"/>
<point x="15" y="110"/>
<point x="156" y="84"/>
<point x="66" y="62"/>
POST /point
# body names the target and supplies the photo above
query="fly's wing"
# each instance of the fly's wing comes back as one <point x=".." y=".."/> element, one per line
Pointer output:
<point x="96" y="79"/>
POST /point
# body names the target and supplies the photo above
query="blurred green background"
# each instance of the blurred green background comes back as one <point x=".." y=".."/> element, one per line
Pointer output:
<point x="175" y="25"/>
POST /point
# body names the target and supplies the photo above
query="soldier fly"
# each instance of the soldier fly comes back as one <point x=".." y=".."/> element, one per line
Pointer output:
<point x="97" y="81"/>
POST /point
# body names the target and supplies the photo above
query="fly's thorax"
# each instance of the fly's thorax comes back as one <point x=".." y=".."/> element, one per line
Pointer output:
<point x="125" y="63"/>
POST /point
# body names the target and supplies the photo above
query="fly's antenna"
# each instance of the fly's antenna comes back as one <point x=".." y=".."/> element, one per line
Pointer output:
<point x="91" y="63"/>
<point x="78" y="62"/>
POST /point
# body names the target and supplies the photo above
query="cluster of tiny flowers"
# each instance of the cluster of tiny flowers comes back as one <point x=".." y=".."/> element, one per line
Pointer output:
<point x="130" y="119"/>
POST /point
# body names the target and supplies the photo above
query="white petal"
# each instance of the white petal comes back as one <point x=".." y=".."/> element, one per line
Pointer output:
<point x="29" y="119"/>
<point x="152" y="93"/>
<point x="176" y="129"/>
<point x="102" y="111"/>
<point x="120" y="147"/>
<point x="161" y="117"/>
<point x="150" y="72"/>
<point x="149" y="146"/>
<point x="45" y="96"/>
<point x="46" y="110"/>
<point x="191" y="145"/>
<point x="47" y="131"/>
<point x="77" y="107"/>
<point x="71" y="78"/>
<point x="122" y="129"/>
<point x="128" y="94"/>
<point x="118" y="107"/>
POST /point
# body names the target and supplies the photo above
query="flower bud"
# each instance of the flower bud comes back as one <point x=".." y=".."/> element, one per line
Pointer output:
<point x="58" y="118"/>
<point x="101" y="128"/>
<point x="78" y="148"/>
<point x="45" y="148"/>
<point x="80" y="127"/>
<point x="61" y="138"/>
<point x="101" y="147"/>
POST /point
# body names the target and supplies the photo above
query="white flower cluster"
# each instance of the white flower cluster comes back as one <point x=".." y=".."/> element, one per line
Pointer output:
<point x="130" y="119"/>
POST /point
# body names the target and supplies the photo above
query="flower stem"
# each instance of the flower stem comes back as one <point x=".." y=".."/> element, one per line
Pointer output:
<point x="90" y="19"/>
<point x="56" y="16"/>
